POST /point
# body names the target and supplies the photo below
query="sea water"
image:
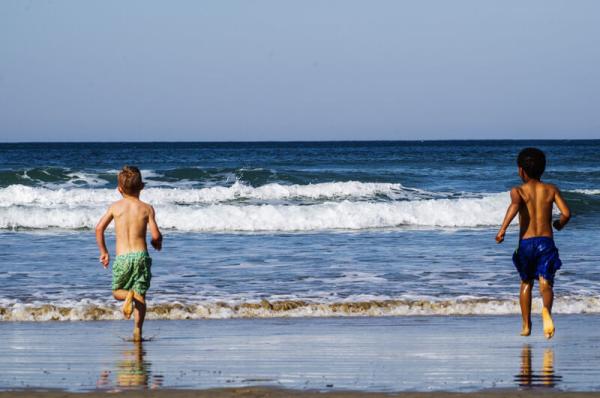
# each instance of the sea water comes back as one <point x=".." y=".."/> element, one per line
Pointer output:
<point x="315" y="229"/>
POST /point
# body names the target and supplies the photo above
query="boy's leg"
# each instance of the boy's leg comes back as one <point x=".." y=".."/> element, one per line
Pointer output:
<point x="127" y="296"/>
<point x="138" y="315"/>
<point x="525" y="301"/>
<point x="547" y="298"/>
<point x="120" y="294"/>
<point x="139" y="297"/>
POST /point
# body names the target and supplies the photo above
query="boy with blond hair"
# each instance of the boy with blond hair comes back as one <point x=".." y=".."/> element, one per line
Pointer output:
<point x="131" y="271"/>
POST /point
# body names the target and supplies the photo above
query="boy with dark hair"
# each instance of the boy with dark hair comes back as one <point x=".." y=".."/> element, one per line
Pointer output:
<point x="536" y="256"/>
<point x="131" y="268"/>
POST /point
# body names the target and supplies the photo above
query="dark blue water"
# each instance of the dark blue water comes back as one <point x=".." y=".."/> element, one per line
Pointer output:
<point x="480" y="166"/>
<point x="290" y="229"/>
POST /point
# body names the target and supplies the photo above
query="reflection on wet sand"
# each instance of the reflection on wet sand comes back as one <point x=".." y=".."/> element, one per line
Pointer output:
<point x="133" y="372"/>
<point x="546" y="377"/>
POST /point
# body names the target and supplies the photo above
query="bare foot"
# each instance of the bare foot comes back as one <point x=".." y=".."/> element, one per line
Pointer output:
<point x="128" y="305"/>
<point x="138" y="297"/>
<point x="548" y="323"/>
<point x="526" y="331"/>
<point x="137" y="335"/>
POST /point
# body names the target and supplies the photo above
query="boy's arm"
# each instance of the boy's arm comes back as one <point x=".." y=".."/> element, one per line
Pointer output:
<point x="511" y="212"/>
<point x="100" y="228"/>
<point x="565" y="213"/>
<point x="154" y="231"/>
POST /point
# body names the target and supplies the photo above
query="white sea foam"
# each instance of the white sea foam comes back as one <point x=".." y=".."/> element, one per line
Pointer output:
<point x="89" y="179"/>
<point x="462" y="212"/>
<point x="87" y="310"/>
<point x="339" y="205"/>
<point x="20" y="195"/>
<point x="586" y="191"/>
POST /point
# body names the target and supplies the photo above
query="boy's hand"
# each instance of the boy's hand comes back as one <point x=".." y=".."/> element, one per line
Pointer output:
<point x="105" y="259"/>
<point x="500" y="236"/>
<point x="156" y="243"/>
<point x="558" y="225"/>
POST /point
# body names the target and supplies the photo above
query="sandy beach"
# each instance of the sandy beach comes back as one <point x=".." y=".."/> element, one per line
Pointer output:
<point x="299" y="199"/>
<point x="387" y="355"/>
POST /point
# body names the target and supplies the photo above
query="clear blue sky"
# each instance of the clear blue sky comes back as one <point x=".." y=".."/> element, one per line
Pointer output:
<point x="299" y="70"/>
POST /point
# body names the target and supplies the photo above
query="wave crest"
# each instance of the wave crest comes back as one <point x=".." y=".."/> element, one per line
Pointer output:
<point x="464" y="212"/>
<point x="21" y="195"/>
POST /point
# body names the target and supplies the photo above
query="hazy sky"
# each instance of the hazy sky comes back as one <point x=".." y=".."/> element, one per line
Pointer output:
<point x="298" y="70"/>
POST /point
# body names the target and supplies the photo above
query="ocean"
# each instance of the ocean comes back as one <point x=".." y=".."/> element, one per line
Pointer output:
<point x="298" y="229"/>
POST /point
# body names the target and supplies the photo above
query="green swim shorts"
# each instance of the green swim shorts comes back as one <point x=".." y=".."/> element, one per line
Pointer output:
<point x="131" y="271"/>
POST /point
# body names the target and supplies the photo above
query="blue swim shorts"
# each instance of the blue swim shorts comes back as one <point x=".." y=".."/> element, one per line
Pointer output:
<point x="537" y="257"/>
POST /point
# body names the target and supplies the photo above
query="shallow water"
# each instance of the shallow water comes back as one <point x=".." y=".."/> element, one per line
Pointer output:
<point x="372" y="273"/>
<point x="290" y="229"/>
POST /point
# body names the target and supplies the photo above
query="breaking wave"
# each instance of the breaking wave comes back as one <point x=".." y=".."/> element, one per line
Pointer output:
<point x="591" y="192"/>
<point x="345" y="214"/>
<point x="88" y="310"/>
<point x="350" y="205"/>
<point x="21" y="195"/>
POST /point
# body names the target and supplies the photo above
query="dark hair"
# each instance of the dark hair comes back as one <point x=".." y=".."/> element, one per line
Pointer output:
<point x="532" y="161"/>
<point x="130" y="180"/>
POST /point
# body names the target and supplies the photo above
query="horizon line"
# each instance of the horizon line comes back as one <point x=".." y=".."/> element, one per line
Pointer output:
<point x="298" y="141"/>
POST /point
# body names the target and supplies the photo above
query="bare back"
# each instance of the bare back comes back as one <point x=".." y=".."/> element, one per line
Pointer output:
<point x="533" y="202"/>
<point x="535" y="210"/>
<point x="131" y="218"/>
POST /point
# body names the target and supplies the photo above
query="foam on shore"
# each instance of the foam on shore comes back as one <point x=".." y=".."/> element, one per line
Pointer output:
<point x="88" y="310"/>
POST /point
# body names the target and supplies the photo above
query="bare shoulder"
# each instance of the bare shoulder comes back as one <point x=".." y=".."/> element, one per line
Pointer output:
<point x="552" y="189"/>
<point x="116" y="206"/>
<point x="516" y="195"/>
<point x="147" y="207"/>
<point x="518" y="190"/>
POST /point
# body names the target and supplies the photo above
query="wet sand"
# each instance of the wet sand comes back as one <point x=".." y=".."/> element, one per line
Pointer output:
<point x="257" y="392"/>
<point x="305" y="355"/>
